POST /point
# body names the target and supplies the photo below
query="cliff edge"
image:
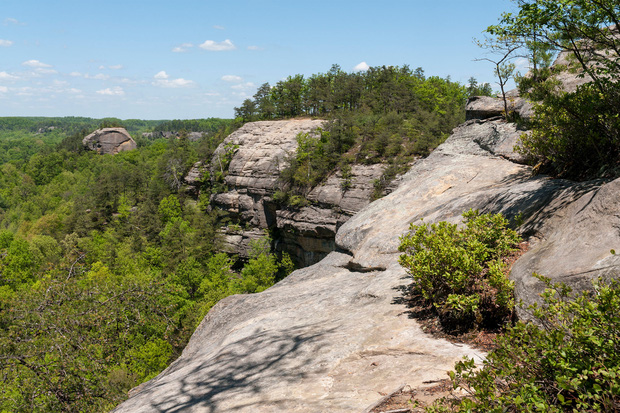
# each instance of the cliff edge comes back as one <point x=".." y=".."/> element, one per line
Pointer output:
<point x="336" y="336"/>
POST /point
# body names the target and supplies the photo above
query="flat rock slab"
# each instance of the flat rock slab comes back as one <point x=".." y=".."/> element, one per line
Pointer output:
<point x="326" y="339"/>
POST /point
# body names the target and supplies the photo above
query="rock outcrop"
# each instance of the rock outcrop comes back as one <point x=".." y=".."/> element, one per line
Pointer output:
<point x="336" y="335"/>
<point x="109" y="141"/>
<point x="485" y="107"/>
<point x="252" y="159"/>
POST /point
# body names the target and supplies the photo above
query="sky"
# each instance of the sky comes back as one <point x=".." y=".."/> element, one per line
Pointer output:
<point x="188" y="59"/>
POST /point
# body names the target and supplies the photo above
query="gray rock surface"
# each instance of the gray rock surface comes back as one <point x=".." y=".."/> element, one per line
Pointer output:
<point x="581" y="227"/>
<point x="308" y="344"/>
<point x="486" y="107"/>
<point x="109" y="141"/>
<point x="263" y="148"/>
<point x="334" y="336"/>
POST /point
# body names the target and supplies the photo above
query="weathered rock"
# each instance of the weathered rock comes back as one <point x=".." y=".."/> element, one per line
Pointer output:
<point x="326" y="339"/>
<point x="486" y="107"/>
<point x="240" y="241"/>
<point x="258" y="153"/>
<point x="352" y="197"/>
<point x="195" y="175"/>
<point x="335" y="335"/>
<point x="260" y="156"/>
<point x="581" y="227"/>
<point x="109" y="141"/>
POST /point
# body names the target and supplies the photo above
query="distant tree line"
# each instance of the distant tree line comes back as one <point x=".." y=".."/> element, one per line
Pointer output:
<point x="387" y="114"/>
<point x="380" y="89"/>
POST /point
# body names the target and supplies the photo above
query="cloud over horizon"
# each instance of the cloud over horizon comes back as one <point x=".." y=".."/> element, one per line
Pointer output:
<point x="214" y="46"/>
<point x="36" y="64"/>
<point x="115" y="91"/>
<point x="182" y="48"/>
<point x="361" y="67"/>
<point x="162" y="79"/>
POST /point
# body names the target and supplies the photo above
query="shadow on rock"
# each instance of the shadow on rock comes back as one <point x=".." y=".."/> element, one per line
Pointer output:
<point x="242" y="368"/>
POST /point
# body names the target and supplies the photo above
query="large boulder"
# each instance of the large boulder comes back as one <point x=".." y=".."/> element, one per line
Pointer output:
<point x="486" y="107"/>
<point x="109" y="141"/>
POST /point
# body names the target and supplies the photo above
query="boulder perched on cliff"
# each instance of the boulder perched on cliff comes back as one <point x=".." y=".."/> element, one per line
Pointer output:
<point x="486" y="107"/>
<point x="109" y="141"/>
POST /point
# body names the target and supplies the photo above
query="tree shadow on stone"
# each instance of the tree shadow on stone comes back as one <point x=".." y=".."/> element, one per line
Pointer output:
<point x="241" y="370"/>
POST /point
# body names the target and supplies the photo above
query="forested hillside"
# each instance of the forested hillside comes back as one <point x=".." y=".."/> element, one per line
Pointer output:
<point x="107" y="263"/>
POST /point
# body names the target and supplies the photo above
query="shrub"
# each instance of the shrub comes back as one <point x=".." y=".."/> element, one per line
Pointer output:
<point x="459" y="271"/>
<point x="568" y="361"/>
<point x="577" y="134"/>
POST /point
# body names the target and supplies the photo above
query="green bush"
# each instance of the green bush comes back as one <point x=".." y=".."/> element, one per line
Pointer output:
<point x="459" y="271"/>
<point x="576" y="134"/>
<point x="568" y="361"/>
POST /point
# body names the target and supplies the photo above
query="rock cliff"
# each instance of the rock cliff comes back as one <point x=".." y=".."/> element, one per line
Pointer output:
<point x="336" y="336"/>
<point x="109" y="141"/>
<point x="251" y="160"/>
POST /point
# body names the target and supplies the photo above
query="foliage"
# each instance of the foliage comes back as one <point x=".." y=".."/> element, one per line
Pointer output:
<point x="65" y="341"/>
<point x="387" y="114"/>
<point x="575" y="133"/>
<point x="460" y="270"/>
<point x="106" y="264"/>
<point x="567" y="360"/>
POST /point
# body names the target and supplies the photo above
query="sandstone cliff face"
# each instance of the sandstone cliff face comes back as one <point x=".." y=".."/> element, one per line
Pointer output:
<point x="252" y="158"/>
<point x="109" y="141"/>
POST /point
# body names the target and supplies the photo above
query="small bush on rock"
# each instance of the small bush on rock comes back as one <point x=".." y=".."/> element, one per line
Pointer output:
<point x="460" y="272"/>
<point x="569" y="361"/>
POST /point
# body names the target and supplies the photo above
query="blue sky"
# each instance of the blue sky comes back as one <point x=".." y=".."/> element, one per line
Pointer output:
<point x="189" y="59"/>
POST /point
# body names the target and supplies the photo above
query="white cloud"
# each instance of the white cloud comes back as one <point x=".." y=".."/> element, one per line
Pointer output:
<point x="115" y="91"/>
<point x="162" y="75"/>
<point x="182" y="48"/>
<point x="35" y="63"/>
<point x="75" y="74"/>
<point x="6" y="76"/>
<point x="255" y="48"/>
<point x="101" y="67"/>
<point x="162" y="79"/>
<point x="116" y="67"/>
<point x="5" y="43"/>
<point x="174" y="83"/>
<point x="361" y="67"/>
<point x="232" y="78"/>
<point x="4" y="89"/>
<point x="218" y="27"/>
<point x="45" y="71"/>
<point x="214" y="46"/>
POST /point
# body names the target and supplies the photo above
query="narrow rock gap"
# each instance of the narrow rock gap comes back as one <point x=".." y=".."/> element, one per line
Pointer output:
<point x="356" y="267"/>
